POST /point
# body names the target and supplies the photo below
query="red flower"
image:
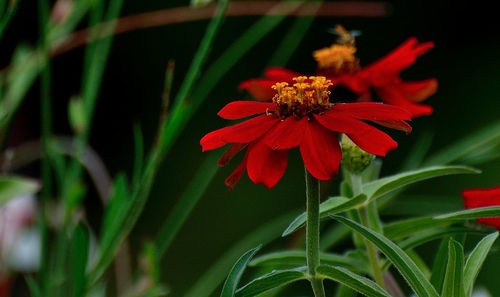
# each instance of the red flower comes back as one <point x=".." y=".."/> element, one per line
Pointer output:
<point x="340" y="65"/>
<point x="383" y="76"/>
<point x="474" y="198"/>
<point x="300" y="116"/>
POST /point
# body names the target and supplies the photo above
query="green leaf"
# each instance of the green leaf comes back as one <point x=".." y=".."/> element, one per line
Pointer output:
<point x="473" y="213"/>
<point x="439" y="265"/>
<point x="208" y="282"/>
<point x="352" y="280"/>
<point x="15" y="186"/>
<point x="389" y="184"/>
<point x="299" y="258"/>
<point x="270" y="281"/>
<point x="331" y="206"/>
<point x="32" y="286"/>
<point x="428" y="235"/>
<point x="408" y="269"/>
<point x="333" y="235"/>
<point x="76" y="114"/>
<point x="476" y="260"/>
<point x="453" y="286"/>
<point x="80" y="251"/>
<point x="404" y="228"/>
<point x="236" y="272"/>
<point x="470" y="144"/>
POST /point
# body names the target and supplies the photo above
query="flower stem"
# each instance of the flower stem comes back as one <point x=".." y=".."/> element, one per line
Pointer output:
<point x="356" y="184"/>
<point x="312" y="234"/>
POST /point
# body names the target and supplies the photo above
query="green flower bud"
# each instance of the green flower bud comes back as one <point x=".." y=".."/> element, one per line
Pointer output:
<point x="354" y="159"/>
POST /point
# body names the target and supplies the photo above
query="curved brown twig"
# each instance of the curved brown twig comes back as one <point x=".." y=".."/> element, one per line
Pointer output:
<point x="237" y="8"/>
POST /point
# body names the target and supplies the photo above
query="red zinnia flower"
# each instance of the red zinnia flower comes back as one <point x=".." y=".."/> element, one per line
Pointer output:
<point x="474" y="198"/>
<point x="301" y="116"/>
<point x="339" y="64"/>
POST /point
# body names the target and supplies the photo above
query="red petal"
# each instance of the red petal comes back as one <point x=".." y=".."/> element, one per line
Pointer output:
<point x="399" y="125"/>
<point x="355" y="82"/>
<point x="287" y="134"/>
<point x="400" y="58"/>
<point x="281" y="74"/>
<point x="320" y="151"/>
<point x="259" y="88"/>
<point x="230" y="153"/>
<point x="266" y="166"/>
<point x="234" y="177"/>
<point x="474" y="198"/>
<point x="372" y="111"/>
<point x="418" y="91"/>
<point x="368" y="138"/>
<point x="391" y="95"/>
<point x="243" y="132"/>
<point x="240" y="109"/>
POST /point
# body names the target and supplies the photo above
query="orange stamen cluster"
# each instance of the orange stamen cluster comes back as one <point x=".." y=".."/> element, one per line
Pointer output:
<point x="305" y="96"/>
<point x="337" y="57"/>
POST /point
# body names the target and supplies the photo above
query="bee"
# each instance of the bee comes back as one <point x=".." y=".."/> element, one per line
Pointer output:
<point x="344" y="36"/>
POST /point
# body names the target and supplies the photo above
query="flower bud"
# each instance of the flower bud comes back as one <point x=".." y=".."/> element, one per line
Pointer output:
<point x="354" y="159"/>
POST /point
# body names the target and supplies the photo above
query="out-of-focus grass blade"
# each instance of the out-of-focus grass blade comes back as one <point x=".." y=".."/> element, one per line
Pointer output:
<point x="473" y="213"/>
<point x="236" y="272"/>
<point x="187" y="202"/>
<point x="345" y="291"/>
<point x="182" y="112"/>
<point x="476" y="260"/>
<point x="406" y="266"/>
<point x="9" y="13"/>
<point x="418" y="152"/>
<point x="389" y="184"/>
<point x="354" y="281"/>
<point x="15" y="186"/>
<point x="331" y="206"/>
<point x="270" y="281"/>
<point x="485" y="137"/>
<point x="79" y="253"/>
<point x="215" y="275"/>
<point x="428" y="235"/>
<point x="453" y="285"/>
<point x="292" y="39"/>
<point x="33" y="286"/>
<point x="298" y="258"/>
<point x="116" y="208"/>
<point x="439" y="265"/>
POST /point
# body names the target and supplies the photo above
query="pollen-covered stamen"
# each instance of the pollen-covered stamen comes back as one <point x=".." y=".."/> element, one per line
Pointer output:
<point x="336" y="59"/>
<point x="307" y="95"/>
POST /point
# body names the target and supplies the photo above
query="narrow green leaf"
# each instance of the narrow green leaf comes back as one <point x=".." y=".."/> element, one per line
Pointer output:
<point x="401" y="229"/>
<point x="332" y="236"/>
<point x="234" y="276"/>
<point x="473" y="213"/>
<point x="476" y="260"/>
<point x="408" y="269"/>
<point x="439" y="265"/>
<point x="469" y="144"/>
<point x="15" y="186"/>
<point x="299" y="258"/>
<point x="80" y="251"/>
<point x="356" y="282"/>
<point x="331" y="206"/>
<point x="428" y="235"/>
<point x="345" y="291"/>
<point x="208" y="282"/>
<point x="389" y="184"/>
<point x="453" y="286"/>
<point x="270" y="281"/>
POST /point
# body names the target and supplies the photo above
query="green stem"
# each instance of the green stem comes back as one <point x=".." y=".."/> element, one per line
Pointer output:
<point x="312" y="234"/>
<point x="357" y="186"/>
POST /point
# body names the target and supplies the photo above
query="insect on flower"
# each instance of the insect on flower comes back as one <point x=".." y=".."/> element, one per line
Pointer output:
<point x="301" y="115"/>
<point x="339" y="64"/>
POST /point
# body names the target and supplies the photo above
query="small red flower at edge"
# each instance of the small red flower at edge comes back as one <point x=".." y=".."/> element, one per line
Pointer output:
<point x="339" y="64"/>
<point x="301" y="116"/>
<point x="474" y="198"/>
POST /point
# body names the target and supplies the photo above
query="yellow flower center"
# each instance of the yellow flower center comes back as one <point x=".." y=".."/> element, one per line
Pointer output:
<point x="305" y="96"/>
<point x="336" y="57"/>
